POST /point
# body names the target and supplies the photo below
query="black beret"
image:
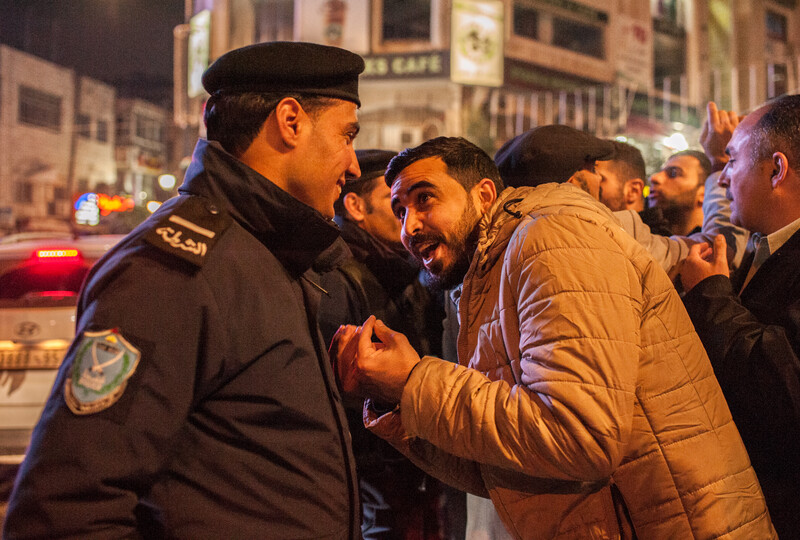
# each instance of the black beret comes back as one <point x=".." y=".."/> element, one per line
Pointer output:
<point x="372" y="163"/>
<point x="287" y="66"/>
<point x="548" y="154"/>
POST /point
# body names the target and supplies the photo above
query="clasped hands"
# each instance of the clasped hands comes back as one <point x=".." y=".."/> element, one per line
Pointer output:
<point x="704" y="261"/>
<point x="377" y="370"/>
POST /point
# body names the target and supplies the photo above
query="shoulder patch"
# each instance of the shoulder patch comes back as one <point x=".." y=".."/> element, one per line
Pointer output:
<point x="103" y="363"/>
<point x="189" y="229"/>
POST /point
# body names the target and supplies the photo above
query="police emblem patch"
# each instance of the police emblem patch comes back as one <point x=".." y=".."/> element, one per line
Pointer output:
<point x="100" y="371"/>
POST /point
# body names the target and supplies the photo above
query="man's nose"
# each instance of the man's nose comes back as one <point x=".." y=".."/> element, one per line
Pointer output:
<point x="655" y="178"/>
<point x="411" y="224"/>
<point x="723" y="180"/>
<point x="354" y="169"/>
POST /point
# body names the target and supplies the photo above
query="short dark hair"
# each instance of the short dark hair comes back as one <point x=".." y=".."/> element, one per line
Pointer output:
<point x="705" y="164"/>
<point x="234" y="118"/>
<point x="778" y="130"/>
<point x="362" y="188"/>
<point x="466" y="163"/>
<point x="628" y="162"/>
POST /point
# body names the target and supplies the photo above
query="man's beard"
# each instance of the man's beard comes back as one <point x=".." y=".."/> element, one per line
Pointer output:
<point x="461" y="243"/>
<point x="676" y="209"/>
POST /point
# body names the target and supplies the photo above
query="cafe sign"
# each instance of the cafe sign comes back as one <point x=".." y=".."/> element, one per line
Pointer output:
<point x="407" y="66"/>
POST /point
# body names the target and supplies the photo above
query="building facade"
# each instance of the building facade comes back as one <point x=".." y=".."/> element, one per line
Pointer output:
<point x="490" y="69"/>
<point x="141" y="153"/>
<point x="37" y="103"/>
<point x="68" y="142"/>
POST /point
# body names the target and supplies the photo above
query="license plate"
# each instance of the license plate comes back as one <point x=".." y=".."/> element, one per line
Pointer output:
<point x="31" y="358"/>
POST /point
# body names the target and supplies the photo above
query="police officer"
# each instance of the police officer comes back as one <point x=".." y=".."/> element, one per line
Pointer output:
<point x="197" y="399"/>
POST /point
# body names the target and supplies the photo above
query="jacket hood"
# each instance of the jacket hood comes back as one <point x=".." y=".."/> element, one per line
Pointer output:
<point x="498" y="225"/>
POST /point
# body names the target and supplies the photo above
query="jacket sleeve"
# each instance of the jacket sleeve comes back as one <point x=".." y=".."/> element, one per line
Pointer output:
<point x="571" y="327"/>
<point x="462" y="474"/>
<point x="84" y="474"/>
<point x="757" y="364"/>
<point x="668" y="251"/>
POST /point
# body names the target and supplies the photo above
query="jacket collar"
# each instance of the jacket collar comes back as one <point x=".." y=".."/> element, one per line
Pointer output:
<point x="294" y="232"/>
<point x="395" y="268"/>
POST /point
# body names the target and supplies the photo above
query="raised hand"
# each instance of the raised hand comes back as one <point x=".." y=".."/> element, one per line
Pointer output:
<point x="717" y="131"/>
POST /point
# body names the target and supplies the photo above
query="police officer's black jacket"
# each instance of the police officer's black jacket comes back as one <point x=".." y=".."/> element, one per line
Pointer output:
<point x="231" y="426"/>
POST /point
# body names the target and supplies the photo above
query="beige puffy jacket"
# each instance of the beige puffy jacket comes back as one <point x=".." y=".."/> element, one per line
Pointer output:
<point x="591" y="406"/>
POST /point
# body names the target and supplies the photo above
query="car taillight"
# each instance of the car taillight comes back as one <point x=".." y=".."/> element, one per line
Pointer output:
<point x="57" y="255"/>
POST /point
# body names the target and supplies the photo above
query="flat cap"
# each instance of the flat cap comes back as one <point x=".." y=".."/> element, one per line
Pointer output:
<point x="372" y="163"/>
<point x="548" y="154"/>
<point x="287" y="66"/>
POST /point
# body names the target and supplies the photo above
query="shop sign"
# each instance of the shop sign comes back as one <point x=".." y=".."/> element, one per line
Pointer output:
<point x="90" y="206"/>
<point x="199" y="38"/>
<point x="634" y="52"/>
<point x="519" y="73"/>
<point x="406" y="66"/>
<point x="476" y="47"/>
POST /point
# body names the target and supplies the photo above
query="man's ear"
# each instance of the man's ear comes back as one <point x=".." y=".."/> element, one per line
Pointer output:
<point x="290" y="117"/>
<point x="355" y="206"/>
<point x="632" y="190"/>
<point x="780" y="168"/>
<point x="700" y="195"/>
<point x="486" y="193"/>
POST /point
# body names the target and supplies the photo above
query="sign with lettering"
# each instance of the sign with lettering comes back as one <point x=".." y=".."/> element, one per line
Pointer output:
<point x="199" y="39"/>
<point x="476" y="47"/>
<point x="413" y="65"/>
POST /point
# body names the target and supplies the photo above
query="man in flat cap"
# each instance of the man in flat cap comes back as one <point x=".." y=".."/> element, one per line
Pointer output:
<point x="397" y="499"/>
<point x="197" y="400"/>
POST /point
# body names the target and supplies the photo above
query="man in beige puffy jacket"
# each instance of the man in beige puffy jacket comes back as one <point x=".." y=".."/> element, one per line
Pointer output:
<point x="584" y="405"/>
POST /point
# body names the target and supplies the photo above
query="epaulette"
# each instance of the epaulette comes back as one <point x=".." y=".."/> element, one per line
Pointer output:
<point x="189" y="229"/>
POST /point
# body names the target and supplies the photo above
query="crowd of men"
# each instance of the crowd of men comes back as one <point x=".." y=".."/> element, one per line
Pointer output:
<point x="314" y="342"/>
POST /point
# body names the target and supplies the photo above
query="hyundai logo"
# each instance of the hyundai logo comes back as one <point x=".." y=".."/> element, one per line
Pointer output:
<point x="26" y="329"/>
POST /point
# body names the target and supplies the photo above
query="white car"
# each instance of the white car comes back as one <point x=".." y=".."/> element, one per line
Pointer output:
<point x="40" y="278"/>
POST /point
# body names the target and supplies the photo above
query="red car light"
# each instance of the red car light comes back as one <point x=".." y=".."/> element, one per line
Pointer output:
<point x="57" y="255"/>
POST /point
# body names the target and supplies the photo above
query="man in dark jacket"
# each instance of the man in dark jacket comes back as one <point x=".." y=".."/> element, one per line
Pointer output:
<point x="197" y="400"/>
<point x="398" y="500"/>
<point x="750" y="322"/>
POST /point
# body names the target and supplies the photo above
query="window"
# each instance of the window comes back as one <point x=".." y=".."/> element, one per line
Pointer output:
<point x="39" y="108"/>
<point x="122" y="128"/>
<point x="102" y="131"/>
<point x="670" y="60"/>
<point x="777" y="80"/>
<point x="83" y="125"/>
<point x="148" y="128"/>
<point x="60" y="193"/>
<point x="407" y="19"/>
<point x="274" y="20"/>
<point x="562" y="23"/>
<point x="578" y="37"/>
<point x="526" y="22"/>
<point x="669" y="41"/>
<point x="776" y="26"/>
<point x="23" y="192"/>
